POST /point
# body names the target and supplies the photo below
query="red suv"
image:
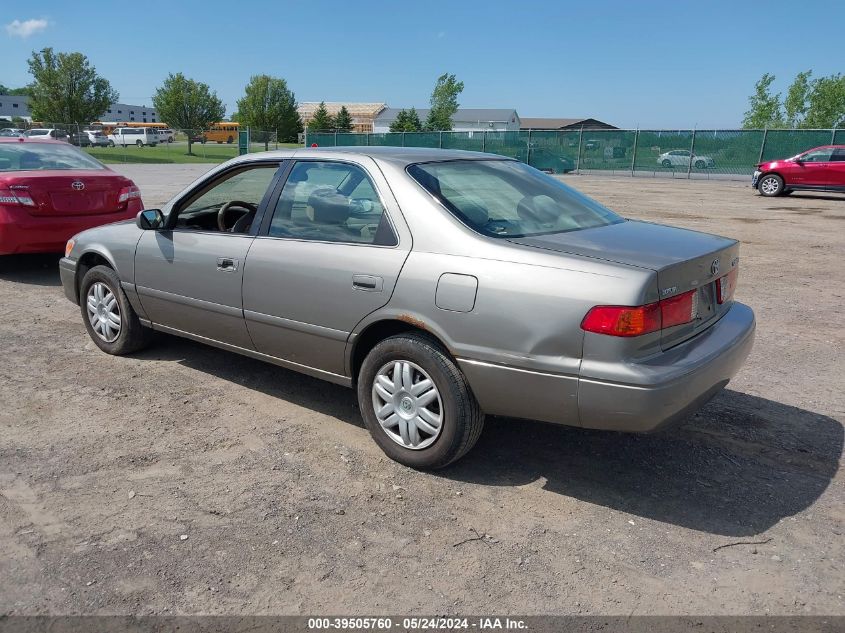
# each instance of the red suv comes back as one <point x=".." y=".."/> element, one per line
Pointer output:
<point x="819" y="169"/>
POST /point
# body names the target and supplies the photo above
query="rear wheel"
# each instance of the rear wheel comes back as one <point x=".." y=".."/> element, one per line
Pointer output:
<point x="109" y="318"/>
<point x="139" y="143"/>
<point x="667" y="163"/>
<point x="111" y="143"/>
<point x="770" y="185"/>
<point x="416" y="402"/>
<point x="699" y="164"/>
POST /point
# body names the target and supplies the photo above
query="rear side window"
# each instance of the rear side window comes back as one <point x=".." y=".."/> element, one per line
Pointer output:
<point x="331" y="202"/>
<point x="506" y="198"/>
<point x="838" y="155"/>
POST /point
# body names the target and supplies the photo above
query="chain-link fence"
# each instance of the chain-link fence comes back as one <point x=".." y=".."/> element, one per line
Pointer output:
<point x="676" y="153"/>
<point x="136" y="143"/>
<point x="683" y="153"/>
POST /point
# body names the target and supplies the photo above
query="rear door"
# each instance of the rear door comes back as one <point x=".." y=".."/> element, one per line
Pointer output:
<point x="189" y="275"/>
<point x="328" y="254"/>
<point x="836" y="170"/>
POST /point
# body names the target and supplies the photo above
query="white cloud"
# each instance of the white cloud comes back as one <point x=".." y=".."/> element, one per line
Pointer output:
<point x="24" y="29"/>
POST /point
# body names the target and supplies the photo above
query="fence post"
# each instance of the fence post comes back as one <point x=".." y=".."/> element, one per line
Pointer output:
<point x="367" y="136"/>
<point x="833" y="135"/>
<point x="634" y="157"/>
<point x="691" y="153"/>
<point x="335" y="138"/>
<point x="763" y="144"/>
<point x="580" y="141"/>
<point x="403" y="138"/>
<point x="305" y="136"/>
<point x="484" y="140"/>
<point x="528" y="149"/>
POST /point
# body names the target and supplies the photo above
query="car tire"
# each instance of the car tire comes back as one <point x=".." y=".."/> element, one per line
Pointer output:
<point x="99" y="284"/>
<point x="770" y="185"/>
<point x="139" y="143"/>
<point x="460" y="417"/>
<point x="111" y="143"/>
<point x="666" y="163"/>
<point x="699" y="164"/>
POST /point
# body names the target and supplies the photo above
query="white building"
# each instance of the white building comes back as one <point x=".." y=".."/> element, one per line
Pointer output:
<point x="464" y="120"/>
<point x="18" y="106"/>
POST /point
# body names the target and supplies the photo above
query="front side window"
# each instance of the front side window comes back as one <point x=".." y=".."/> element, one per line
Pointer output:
<point x="506" y="198"/>
<point x="331" y="202"/>
<point x="242" y="190"/>
<point x="818" y="155"/>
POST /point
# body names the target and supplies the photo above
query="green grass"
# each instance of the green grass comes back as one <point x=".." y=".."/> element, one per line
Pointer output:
<point x="175" y="153"/>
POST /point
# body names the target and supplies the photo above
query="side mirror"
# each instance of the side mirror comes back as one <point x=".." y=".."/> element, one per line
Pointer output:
<point x="150" y="219"/>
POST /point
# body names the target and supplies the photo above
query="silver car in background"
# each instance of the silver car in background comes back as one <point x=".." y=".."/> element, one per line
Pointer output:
<point x="441" y="285"/>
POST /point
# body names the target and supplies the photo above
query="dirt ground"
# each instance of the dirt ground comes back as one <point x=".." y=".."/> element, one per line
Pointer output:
<point x="188" y="480"/>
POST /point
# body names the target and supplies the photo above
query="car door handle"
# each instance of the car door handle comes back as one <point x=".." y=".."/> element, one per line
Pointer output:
<point x="227" y="264"/>
<point x="368" y="283"/>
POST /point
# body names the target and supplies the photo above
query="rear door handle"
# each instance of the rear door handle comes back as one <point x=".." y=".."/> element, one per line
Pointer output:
<point x="227" y="264"/>
<point x="368" y="283"/>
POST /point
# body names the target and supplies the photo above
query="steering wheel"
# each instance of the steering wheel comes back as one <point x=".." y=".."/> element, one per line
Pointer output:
<point x="221" y="214"/>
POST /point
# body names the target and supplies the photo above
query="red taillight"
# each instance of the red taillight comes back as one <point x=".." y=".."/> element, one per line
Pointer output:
<point x="725" y="286"/>
<point x="17" y="194"/>
<point x="639" y="320"/>
<point x="128" y="193"/>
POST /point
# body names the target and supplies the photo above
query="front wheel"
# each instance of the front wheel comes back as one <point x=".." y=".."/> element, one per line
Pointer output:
<point x="667" y="163"/>
<point x="139" y="143"/>
<point x="416" y="402"/>
<point x="699" y="164"/>
<point x="770" y="185"/>
<point x="109" y="318"/>
<point x="111" y="143"/>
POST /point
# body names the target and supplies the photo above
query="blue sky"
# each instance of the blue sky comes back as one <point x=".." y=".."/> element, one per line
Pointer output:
<point x="631" y="63"/>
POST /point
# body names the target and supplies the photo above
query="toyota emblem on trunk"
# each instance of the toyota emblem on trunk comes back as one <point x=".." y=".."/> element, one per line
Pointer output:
<point x="78" y="185"/>
<point x="714" y="267"/>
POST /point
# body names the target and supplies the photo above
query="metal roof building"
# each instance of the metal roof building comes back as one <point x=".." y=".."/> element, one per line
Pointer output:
<point x="539" y="123"/>
<point x="464" y="120"/>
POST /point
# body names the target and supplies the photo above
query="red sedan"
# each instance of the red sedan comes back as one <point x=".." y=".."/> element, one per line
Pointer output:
<point x="819" y="169"/>
<point x="49" y="191"/>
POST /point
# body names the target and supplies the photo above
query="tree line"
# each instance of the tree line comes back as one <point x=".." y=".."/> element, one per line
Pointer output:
<point x="809" y="103"/>
<point x="66" y="88"/>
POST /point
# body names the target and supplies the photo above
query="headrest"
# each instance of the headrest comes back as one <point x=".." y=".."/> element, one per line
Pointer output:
<point x="475" y="213"/>
<point x="542" y="209"/>
<point x="327" y="206"/>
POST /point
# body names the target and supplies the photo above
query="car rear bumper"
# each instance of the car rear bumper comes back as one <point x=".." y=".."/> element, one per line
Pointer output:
<point x="634" y="397"/>
<point x="24" y="233"/>
<point x="671" y="385"/>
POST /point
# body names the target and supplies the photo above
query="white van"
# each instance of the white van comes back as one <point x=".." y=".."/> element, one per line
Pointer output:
<point x="165" y="135"/>
<point x="139" y="136"/>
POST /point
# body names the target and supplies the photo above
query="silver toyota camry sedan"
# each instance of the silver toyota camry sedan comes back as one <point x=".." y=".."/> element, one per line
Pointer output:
<point x="441" y="285"/>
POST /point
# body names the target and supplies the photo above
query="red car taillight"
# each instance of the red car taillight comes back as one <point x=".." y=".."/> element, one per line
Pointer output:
<point x="128" y="193"/>
<point x="17" y="194"/>
<point x="639" y="320"/>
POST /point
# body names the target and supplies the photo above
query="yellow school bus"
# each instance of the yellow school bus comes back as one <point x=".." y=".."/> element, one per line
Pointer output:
<point x="223" y="132"/>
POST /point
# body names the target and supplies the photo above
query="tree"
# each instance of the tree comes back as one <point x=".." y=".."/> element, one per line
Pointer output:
<point x="322" y="120"/>
<point x="444" y="102"/>
<point x="187" y="104"/>
<point x="343" y="120"/>
<point x="763" y="107"/>
<point x="795" y="104"/>
<point x="14" y="92"/>
<point x="826" y="103"/>
<point x="67" y="89"/>
<point x="269" y="106"/>
<point x="406" y="121"/>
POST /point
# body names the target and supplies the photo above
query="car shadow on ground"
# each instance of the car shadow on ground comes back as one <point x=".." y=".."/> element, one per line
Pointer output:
<point x="39" y="270"/>
<point x="736" y="468"/>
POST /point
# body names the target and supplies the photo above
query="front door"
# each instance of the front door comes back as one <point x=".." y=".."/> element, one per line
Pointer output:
<point x="836" y="170"/>
<point x="328" y="254"/>
<point x="189" y="275"/>
<point x="812" y="169"/>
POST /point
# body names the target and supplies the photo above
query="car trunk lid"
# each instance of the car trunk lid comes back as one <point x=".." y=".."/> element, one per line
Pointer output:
<point x="71" y="193"/>
<point x="684" y="260"/>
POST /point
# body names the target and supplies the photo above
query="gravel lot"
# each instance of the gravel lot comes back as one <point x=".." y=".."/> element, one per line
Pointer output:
<point x="190" y="480"/>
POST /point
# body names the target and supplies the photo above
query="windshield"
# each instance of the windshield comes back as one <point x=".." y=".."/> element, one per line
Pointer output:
<point x="40" y="156"/>
<point x="506" y="198"/>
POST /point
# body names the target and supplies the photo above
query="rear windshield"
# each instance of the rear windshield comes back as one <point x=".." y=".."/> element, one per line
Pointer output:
<point x="506" y="198"/>
<point x="40" y="156"/>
